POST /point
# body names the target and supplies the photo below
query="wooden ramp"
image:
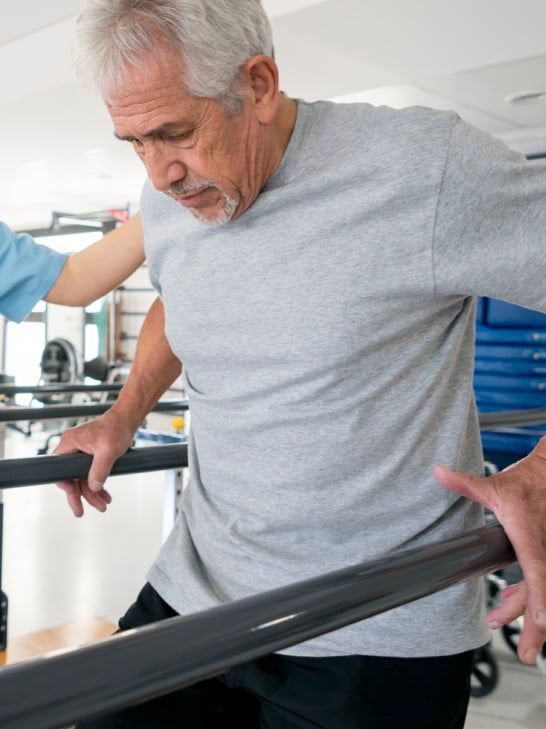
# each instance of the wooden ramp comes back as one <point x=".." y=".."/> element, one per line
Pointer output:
<point x="63" y="636"/>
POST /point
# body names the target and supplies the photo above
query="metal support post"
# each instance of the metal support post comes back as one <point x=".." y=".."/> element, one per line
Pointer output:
<point x="3" y="596"/>
<point x="174" y="485"/>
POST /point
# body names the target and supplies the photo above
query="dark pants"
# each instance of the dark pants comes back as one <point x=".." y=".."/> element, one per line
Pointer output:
<point x="284" y="692"/>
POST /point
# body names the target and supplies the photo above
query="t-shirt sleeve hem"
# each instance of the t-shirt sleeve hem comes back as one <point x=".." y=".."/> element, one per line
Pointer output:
<point x="25" y="301"/>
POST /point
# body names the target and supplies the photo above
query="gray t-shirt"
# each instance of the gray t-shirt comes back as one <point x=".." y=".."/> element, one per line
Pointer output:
<point x="327" y="340"/>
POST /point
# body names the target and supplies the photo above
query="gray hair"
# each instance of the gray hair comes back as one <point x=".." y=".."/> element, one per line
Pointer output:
<point x="214" y="39"/>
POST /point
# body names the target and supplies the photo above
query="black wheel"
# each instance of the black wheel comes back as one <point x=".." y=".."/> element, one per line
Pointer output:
<point x="485" y="673"/>
<point x="511" y="633"/>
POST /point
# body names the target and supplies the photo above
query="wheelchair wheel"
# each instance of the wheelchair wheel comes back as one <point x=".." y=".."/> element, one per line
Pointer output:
<point x="485" y="673"/>
<point x="511" y="633"/>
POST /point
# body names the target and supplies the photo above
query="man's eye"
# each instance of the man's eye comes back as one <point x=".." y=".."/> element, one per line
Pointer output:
<point x="180" y="137"/>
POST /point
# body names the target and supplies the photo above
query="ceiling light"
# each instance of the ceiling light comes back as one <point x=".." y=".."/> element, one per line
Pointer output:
<point x="526" y="97"/>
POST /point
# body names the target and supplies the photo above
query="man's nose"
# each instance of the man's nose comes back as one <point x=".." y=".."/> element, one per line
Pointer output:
<point x="164" y="169"/>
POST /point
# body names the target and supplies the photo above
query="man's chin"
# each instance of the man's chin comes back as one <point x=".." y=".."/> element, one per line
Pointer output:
<point x="210" y="219"/>
<point x="215" y="217"/>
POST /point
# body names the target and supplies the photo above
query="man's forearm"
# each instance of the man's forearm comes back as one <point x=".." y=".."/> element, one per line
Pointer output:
<point x="154" y="369"/>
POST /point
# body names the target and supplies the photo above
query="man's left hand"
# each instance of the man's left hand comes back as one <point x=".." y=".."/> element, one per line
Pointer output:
<point x="517" y="497"/>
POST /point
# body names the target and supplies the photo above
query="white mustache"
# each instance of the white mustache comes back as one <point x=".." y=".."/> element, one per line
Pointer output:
<point x="187" y="188"/>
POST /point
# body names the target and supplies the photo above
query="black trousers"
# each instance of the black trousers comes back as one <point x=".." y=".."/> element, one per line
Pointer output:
<point x="285" y="692"/>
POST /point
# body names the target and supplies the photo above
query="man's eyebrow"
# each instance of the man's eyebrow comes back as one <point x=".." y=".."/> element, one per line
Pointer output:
<point x="158" y="132"/>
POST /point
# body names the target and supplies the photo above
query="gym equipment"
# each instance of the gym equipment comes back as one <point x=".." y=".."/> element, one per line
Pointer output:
<point x="62" y="383"/>
<point x="510" y="373"/>
<point x="59" y="363"/>
<point x="174" y="477"/>
<point x="49" y="412"/>
<point x="46" y="469"/>
<point x="127" y="669"/>
<point x="12" y="390"/>
<point x="485" y="673"/>
<point x="491" y="421"/>
<point x="63" y="373"/>
<point x="61" y="366"/>
<point x="3" y="596"/>
<point x="18" y="472"/>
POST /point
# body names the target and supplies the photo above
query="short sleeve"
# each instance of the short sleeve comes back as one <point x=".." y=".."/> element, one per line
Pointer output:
<point x="27" y="272"/>
<point x="490" y="229"/>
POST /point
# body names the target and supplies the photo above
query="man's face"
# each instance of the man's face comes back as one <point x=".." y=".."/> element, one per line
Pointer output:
<point x="192" y="149"/>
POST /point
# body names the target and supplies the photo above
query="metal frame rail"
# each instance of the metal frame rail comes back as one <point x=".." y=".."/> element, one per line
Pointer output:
<point x="12" y="390"/>
<point x="53" y="412"/>
<point x="54" y="691"/>
<point x="17" y="472"/>
<point x="512" y="419"/>
<point x="488" y="421"/>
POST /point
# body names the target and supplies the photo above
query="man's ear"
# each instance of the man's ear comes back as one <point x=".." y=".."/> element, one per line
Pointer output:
<point x="261" y="78"/>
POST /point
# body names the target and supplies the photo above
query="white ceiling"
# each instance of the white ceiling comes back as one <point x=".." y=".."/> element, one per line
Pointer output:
<point x="21" y="18"/>
<point x="56" y="142"/>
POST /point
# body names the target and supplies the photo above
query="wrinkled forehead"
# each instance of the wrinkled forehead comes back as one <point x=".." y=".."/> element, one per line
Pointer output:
<point x="155" y="103"/>
<point x="154" y="91"/>
<point x="159" y="72"/>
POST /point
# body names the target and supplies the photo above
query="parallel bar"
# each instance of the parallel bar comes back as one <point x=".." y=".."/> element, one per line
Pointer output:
<point x="52" y="412"/>
<point x="18" y="472"/>
<point x="488" y="421"/>
<point x="11" y="390"/>
<point x="512" y="418"/>
<point x="55" y="691"/>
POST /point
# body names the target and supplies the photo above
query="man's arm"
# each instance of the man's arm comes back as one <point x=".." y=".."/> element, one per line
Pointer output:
<point x="98" y="269"/>
<point x="155" y="368"/>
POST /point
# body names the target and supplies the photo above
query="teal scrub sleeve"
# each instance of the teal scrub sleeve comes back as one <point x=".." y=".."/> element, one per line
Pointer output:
<point x="27" y="271"/>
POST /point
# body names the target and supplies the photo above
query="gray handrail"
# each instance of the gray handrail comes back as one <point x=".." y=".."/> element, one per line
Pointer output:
<point x="60" y="389"/>
<point x="85" y="410"/>
<point x="512" y="419"/>
<point x="54" y="691"/>
<point x="488" y="421"/>
<point x="17" y="472"/>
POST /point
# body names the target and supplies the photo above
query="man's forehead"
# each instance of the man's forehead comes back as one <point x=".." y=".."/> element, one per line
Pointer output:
<point x="146" y="92"/>
<point x="151" y="106"/>
<point x="150" y="79"/>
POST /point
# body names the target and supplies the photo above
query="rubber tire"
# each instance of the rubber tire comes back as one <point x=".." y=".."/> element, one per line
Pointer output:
<point x="485" y="673"/>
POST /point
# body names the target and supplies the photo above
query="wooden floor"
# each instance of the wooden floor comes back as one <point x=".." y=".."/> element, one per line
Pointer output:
<point x="70" y="635"/>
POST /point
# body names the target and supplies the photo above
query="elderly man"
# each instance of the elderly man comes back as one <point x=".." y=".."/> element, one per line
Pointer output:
<point x="318" y="265"/>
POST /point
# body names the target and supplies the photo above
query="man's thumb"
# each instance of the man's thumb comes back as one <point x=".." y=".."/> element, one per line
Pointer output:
<point x="472" y="487"/>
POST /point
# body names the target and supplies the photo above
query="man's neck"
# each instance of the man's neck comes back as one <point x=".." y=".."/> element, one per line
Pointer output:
<point x="282" y="131"/>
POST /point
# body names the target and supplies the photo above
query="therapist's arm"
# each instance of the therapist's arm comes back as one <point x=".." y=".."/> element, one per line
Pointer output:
<point x="101" y="267"/>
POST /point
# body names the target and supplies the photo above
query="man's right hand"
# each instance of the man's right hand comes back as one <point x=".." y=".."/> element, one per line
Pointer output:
<point x="106" y="439"/>
<point x="154" y="369"/>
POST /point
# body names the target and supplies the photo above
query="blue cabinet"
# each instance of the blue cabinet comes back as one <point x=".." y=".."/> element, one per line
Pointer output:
<point x="510" y="371"/>
<point x="502" y="314"/>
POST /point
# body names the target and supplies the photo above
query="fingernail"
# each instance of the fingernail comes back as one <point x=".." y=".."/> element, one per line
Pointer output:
<point x="493" y="624"/>
<point x="95" y="485"/>
<point x="540" y="618"/>
<point x="531" y="656"/>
